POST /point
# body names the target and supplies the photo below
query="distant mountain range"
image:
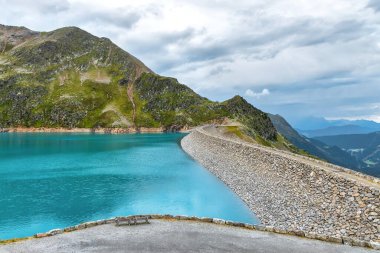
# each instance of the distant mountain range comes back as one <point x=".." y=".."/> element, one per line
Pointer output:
<point x="340" y="130"/>
<point x="314" y="123"/>
<point x="313" y="126"/>
<point x="359" y="152"/>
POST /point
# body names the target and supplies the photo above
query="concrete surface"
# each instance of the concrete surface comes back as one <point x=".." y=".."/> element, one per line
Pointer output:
<point x="175" y="236"/>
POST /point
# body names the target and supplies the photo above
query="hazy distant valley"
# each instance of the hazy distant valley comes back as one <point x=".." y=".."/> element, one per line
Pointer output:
<point x="345" y="143"/>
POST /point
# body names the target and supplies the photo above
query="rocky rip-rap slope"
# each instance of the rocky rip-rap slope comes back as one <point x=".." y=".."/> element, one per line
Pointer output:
<point x="70" y="78"/>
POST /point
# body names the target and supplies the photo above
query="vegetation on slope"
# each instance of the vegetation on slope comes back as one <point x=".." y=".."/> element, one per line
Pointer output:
<point x="360" y="152"/>
<point x="256" y="120"/>
<point x="170" y="103"/>
<point x="243" y="133"/>
<point x="314" y="147"/>
<point x="70" y="78"/>
<point x="363" y="148"/>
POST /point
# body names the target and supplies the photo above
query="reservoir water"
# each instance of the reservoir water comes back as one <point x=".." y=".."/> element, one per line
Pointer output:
<point x="58" y="180"/>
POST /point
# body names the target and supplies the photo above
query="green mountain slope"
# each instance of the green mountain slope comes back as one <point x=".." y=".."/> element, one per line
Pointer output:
<point x="352" y="141"/>
<point x="364" y="147"/>
<point x="317" y="148"/>
<point x="360" y="152"/>
<point x="70" y="78"/>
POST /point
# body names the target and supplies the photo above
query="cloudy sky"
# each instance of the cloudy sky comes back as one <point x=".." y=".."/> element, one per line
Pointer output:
<point x="298" y="58"/>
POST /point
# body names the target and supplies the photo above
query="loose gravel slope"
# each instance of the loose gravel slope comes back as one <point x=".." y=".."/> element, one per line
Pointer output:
<point x="289" y="191"/>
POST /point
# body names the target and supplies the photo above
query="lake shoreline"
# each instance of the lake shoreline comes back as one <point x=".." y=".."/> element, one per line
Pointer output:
<point x="82" y="177"/>
<point x="130" y="130"/>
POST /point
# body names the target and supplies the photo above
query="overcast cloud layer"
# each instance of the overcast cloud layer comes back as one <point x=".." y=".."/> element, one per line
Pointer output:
<point x="297" y="58"/>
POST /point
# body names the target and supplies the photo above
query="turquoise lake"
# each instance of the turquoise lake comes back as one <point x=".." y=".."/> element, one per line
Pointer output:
<point x="58" y="180"/>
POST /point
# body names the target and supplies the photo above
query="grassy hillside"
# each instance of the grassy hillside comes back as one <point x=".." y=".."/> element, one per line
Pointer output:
<point x="313" y="147"/>
<point x="352" y="141"/>
<point x="365" y="148"/>
<point x="243" y="133"/>
<point x="358" y="152"/>
<point x="70" y="78"/>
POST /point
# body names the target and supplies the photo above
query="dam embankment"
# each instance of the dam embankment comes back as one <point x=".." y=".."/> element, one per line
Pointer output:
<point x="291" y="192"/>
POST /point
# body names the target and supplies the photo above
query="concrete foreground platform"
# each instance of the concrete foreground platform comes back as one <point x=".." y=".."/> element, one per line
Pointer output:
<point x="175" y="236"/>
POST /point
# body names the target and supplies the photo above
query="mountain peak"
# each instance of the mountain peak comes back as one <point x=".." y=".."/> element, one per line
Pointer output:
<point x="71" y="31"/>
<point x="68" y="47"/>
<point x="237" y="98"/>
<point x="11" y="36"/>
<point x="71" y="78"/>
<point x="13" y="28"/>
<point x="257" y="120"/>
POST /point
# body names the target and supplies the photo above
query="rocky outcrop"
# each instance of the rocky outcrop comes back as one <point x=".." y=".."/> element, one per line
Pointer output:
<point x="11" y="36"/>
<point x="292" y="192"/>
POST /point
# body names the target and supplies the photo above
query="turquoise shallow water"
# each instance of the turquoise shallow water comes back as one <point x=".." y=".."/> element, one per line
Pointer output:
<point x="57" y="180"/>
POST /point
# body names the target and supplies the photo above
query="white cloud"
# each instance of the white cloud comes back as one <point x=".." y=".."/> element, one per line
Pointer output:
<point x="321" y="57"/>
<point x="258" y="95"/>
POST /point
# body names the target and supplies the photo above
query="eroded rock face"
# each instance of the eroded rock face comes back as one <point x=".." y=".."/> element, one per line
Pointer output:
<point x="289" y="192"/>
